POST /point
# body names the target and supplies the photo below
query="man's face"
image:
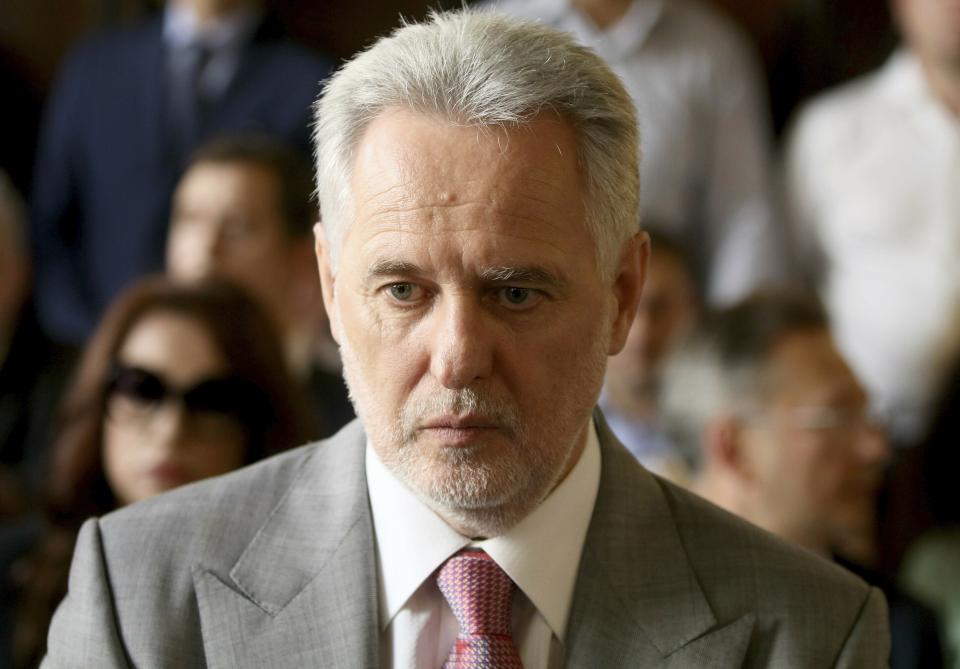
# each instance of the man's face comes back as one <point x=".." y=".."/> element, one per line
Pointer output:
<point x="817" y="461"/>
<point x="932" y="28"/>
<point x="473" y="322"/>
<point x="227" y="222"/>
<point x="667" y="309"/>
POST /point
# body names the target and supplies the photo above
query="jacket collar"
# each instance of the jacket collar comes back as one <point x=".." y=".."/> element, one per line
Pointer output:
<point x="637" y="595"/>
<point x="305" y="587"/>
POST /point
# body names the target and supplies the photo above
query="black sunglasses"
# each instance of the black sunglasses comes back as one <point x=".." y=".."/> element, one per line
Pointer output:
<point x="226" y="395"/>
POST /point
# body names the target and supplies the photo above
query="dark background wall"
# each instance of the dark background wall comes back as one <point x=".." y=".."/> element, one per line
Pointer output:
<point x="806" y="45"/>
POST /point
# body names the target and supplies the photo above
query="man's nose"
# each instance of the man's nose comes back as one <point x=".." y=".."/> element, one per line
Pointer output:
<point x="462" y="342"/>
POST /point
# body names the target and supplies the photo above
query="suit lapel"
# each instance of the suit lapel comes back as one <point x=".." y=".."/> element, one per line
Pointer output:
<point x="638" y="601"/>
<point x="304" y="591"/>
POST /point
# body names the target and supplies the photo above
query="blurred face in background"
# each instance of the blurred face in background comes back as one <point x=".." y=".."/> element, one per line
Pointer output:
<point x="227" y="221"/>
<point x="168" y="410"/>
<point x="814" y="459"/>
<point x="668" y="308"/>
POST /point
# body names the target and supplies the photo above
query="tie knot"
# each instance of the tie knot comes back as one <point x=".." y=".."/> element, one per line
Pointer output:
<point x="478" y="591"/>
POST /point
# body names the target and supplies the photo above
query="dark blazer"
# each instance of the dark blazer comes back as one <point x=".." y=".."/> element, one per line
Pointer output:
<point x="275" y="566"/>
<point x="914" y="628"/>
<point x="105" y="168"/>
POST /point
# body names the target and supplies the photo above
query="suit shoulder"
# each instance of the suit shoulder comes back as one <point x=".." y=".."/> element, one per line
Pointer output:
<point x="255" y="483"/>
<point x="211" y="519"/>
<point x="711" y="534"/>
<point x="802" y="602"/>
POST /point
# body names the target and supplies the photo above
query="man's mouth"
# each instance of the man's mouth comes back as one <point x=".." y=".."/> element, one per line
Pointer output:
<point x="458" y="430"/>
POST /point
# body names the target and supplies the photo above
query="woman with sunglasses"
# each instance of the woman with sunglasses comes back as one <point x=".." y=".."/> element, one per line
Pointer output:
<point x="179" y="383"/>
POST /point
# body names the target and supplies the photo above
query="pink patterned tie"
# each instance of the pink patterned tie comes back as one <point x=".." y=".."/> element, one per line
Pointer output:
<point x="479" y="593"/>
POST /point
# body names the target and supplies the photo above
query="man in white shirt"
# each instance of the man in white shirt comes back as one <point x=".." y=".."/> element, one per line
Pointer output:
<point x="480" y="259"/>
<point x="705" y="129"/>
<point x="872" y="176"/>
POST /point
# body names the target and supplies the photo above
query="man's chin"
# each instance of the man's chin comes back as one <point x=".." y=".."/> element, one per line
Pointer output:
<point x="463" y="480"/>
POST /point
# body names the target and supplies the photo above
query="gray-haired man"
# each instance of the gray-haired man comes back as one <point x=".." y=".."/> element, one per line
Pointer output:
<point x="480" y="260"/>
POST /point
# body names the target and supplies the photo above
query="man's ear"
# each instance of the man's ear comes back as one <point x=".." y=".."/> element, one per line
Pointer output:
<point x="725" y="449"/>
<point x="327" y="278"/>
<point x="627" y="288"/>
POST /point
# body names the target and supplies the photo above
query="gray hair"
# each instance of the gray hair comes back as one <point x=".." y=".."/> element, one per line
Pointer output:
<point x="475" y="67"/>
<point x="723" y="366"/>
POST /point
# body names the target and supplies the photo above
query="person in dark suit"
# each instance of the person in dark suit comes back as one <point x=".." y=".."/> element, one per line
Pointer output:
<point x="128" y="108"/>
<point x="480" y="259"/>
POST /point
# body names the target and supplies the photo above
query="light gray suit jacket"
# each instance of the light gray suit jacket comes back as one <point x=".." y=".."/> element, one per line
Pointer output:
<point x="274" y="566"/>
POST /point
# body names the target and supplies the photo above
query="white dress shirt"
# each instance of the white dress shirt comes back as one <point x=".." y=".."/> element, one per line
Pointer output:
<point x="704" y="132"/>
<point x="873" y="183"/>
<point x="541" y="555"/>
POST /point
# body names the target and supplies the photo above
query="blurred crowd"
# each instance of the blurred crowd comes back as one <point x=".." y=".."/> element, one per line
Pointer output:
<point x="795" y="358"/>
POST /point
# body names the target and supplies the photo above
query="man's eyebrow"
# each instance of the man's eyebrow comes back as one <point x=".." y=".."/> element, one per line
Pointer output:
<point x="384" y="267"/>
<point x="539" y="275"/>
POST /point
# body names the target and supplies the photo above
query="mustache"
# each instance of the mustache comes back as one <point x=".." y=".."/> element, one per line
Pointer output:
<point x="418" y="411"/>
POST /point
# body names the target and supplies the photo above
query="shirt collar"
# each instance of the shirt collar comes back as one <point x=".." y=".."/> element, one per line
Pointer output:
<point x="181" y="28"/>
<point x="905" y="84"/>
<point x="541" y="553"/>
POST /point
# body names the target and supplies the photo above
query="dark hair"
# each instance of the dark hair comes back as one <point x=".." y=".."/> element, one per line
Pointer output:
<point x="747" y="332"/>
<point x="240" y="330"/>
<point x="723" y="363"/>
<point x="290" y="167"/>
<point x="77" y="486"/>
<point x="667" y="243"/>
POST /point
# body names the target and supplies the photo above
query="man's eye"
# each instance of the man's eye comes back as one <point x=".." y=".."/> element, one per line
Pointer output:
<point x="514" y="297"/>
<point x="402" y="292"/>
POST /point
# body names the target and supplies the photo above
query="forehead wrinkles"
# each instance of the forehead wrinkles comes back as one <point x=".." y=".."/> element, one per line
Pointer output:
<point x="401" y="148"/>
<point x="478" y="247"/>
<point x="396" y="190"/>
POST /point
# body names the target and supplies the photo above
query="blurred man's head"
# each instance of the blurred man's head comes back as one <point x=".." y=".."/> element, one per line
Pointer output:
<point x="14" y="257"/>
<point x="480" y="254"/>
<point x="668" y="308"/>
<point x="242" y="210"/>
<point x="776" y="421"/>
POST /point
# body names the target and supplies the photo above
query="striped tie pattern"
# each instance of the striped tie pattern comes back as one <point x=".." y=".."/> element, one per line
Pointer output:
<point x="479" y="593"/>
